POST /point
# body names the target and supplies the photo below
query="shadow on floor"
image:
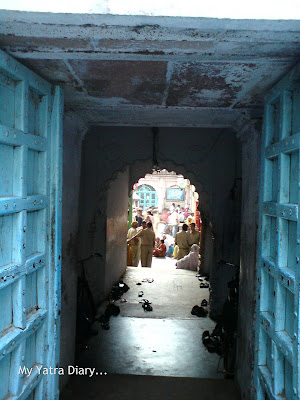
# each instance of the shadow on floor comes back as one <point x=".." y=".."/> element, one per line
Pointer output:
<point x="152" y="356"/>
<point x="130" y="387"/>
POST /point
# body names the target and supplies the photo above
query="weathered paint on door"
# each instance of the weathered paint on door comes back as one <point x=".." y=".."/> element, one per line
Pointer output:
<point x="30" y="220"/>
<point x="277" y="343"/>
<point x="148" y="196"/>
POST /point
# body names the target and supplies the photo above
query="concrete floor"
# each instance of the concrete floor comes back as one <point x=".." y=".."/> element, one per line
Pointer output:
<point x="173" y="293"/>
<point x="154" y="346"/>
<point x="130" y="387"/>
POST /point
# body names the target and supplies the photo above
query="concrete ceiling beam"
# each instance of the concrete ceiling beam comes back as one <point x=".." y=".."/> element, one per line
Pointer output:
<point x="162" y="116"/>
<point x="143" y="27"/>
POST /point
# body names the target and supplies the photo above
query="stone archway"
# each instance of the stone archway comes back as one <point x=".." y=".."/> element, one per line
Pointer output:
<point x="112" y="164"/>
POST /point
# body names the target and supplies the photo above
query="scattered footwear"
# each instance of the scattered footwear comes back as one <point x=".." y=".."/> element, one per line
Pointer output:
<point x="104" y="322"/>
<point x="147" y="307"/>
<point x="141" y="294"/>
<point x="149" y="280"/>
<point x="146" y="304"/>
<point x="199" y="311"/>
<point x="112" y="309"/>
<point x="105" y="326"/>
<point x="118" y="290"/>
<point x="205" y="337"/>
<point x="214" y="342"/>
<point x="204" y="285"/>
<point x="139" y="283"/>
<point x="204" y="303"/>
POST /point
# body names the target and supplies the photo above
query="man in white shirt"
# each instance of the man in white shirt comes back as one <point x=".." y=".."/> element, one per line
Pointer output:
<point x="174" y="222"/>
<point x="172" y="208"/>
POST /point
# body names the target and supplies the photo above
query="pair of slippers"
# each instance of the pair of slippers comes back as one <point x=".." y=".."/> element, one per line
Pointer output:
<point x="118" y="290"/>
<point x="212" y="343"/>
<point x="199" y="311"/>
<point x="146" y="304"/>
<point x="204" y="285"/>
<point x="111" y="310"/>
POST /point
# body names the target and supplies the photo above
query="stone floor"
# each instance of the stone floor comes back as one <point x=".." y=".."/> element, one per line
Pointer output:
<point x="173" y="292"/>
<point x="132" y="387"/>
<point x="143" y="351"/>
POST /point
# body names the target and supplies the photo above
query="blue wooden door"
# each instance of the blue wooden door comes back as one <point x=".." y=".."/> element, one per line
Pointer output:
<point x="148" y="196"/>
<point x="30" y="219"/>
<point x="277" y="319"/>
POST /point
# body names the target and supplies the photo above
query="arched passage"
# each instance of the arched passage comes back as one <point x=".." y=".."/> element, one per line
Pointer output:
<point x="209" y="158"/>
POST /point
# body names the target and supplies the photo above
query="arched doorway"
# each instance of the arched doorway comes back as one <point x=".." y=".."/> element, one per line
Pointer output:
<point x="148" y="196"/>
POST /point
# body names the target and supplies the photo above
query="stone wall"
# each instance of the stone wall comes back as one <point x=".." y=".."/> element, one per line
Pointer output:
<point x="251" y="145"/>
<point x="73" y="132"/>
<point x="116" y="229"/>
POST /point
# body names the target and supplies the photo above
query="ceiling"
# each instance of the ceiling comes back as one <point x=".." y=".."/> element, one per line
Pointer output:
<point x="138" y="70"/>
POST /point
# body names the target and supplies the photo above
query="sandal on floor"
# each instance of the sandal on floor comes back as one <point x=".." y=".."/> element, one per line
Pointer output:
<point x="206" y="338"/>
<point x="146" y="305"/>
<point x="195" y="310"/>
<point x="204" y="303"/>
<point x="204" y="285"/>
<point x="199" y="311"/>
<point x="105" y="326"/>
<point x="141" y="294"/>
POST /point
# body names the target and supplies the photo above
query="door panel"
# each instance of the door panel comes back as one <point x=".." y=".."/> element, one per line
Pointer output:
<point x="30" y="223"/>
<point x="277" y="319"/>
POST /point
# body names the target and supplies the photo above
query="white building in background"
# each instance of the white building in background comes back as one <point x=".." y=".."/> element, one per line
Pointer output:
<point x="161" y="189"/>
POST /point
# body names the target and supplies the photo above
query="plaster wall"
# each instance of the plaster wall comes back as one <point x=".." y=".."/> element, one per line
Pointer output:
<point x="207" y="157"/>
<point x="161" y="182"/>
<point x="73" y="131"/>
<point x="116" y="230"/>
<point x="251" y="147"/>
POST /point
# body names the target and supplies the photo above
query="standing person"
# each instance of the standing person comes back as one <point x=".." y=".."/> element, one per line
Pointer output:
<point x="148" y="240"/>
<point x="181" y="216"/>
<point x="135" y="246"/>
<point x="194" y="234"/>
<point x="183" y="241"/>
<point x="139" y="218"/>
<point x="149" y="217"/>
<point x="190" y="219"/>
<point x="144" y="226"/>
<point x="156" y="221"/>
<point x="174" y="222"/>
<point x="172" y="208"/>
<point x="186" y="212"/>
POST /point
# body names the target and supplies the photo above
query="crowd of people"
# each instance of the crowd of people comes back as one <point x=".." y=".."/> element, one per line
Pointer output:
<point x="166" y="222"/>
<point x="154" y="234"/>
